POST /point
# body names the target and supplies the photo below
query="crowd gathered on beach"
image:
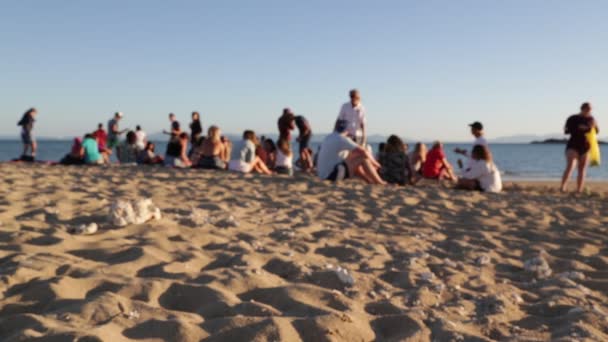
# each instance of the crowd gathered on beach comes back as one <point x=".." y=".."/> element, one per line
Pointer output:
<point x="344" y="153"/>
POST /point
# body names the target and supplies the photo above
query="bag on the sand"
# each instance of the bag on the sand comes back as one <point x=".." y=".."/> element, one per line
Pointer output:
<point x="594" y="151"/>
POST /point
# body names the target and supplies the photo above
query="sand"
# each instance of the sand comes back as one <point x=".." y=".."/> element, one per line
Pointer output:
<point x="257" y="258"/>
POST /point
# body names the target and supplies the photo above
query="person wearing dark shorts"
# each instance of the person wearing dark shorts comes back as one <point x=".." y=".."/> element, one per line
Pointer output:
<point x="340" y="158"/>
<point x="305" y="134"/>
<point x="577" y="148"/>
<point x="340" y="172"/>
<point x="27" y="135"/>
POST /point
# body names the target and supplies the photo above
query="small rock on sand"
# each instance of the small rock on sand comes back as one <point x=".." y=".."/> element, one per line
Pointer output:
<point x="539" y="266"/>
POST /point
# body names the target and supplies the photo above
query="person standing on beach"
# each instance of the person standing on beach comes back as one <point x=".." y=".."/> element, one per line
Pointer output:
<point x="27" y="135"/>
<point x="477" y="132"/>
<point x="114" y="131"/>
<point x="354" y="114"/>
<point x="286" y="124"/>
<point x="577" y="148"/>
<point x="196" y="128"/>
<point x="141" y="139"/>
<point x="340" y="158"/>
<point x="175" y="127"/>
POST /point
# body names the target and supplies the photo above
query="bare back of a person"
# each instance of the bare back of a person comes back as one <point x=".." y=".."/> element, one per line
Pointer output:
<point x="212" y="148"/>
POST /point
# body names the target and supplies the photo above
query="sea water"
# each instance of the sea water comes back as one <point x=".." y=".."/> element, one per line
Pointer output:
<point x="516" y="161"/>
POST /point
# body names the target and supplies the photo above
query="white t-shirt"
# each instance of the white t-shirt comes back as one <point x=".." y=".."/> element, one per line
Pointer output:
<point x="141" y="139"/>
<point x="480" y="141"/>
<point x="355" y="116"/>
<point x="333" y="151"/>
<point x="284" y="160"/>
<point x="486" y="173"/>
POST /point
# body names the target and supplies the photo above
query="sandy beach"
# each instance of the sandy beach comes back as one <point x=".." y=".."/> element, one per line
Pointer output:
<point x="258" y="258"/>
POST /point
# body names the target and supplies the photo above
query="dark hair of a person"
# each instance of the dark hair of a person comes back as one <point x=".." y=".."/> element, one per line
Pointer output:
<point x="30" y="111"/>
<point x="100" y="126"/>
<point x="482" y="152"/>
<point x="149" y="144"/>
<point x="269" y="145"/>
<point x="89" y="135"/>
<point x="183" y="135"/>
<point x="394" y="144"/>
<point x="585" y="105"/>
<point x="249" y="135"/>
<point x="138" y="128"/>
<point x="381" y="147"/>
<point x="131" y="137"/>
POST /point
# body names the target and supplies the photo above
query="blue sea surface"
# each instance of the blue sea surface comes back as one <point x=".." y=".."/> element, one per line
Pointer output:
<point x="516" y="161"/>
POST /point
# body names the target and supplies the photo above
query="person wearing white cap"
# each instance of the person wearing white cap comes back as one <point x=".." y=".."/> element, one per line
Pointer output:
<point x="113" y="131"/>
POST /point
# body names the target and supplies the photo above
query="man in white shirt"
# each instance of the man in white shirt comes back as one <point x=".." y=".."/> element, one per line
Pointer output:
<point x="353" y="113"/>
<point x="140" y="141"/>
<point x="477" y="132"/>
<point x="340" y="158"/>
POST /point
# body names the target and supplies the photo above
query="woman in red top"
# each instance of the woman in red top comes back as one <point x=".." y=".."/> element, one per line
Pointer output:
<point x="436" y="165"/>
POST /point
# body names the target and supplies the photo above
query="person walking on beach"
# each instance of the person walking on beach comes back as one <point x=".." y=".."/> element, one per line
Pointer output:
<point x="114" y="131"/>
<point x="577" y="148"/>
<point x="478" y="133"/>
<point x="27" y="135"/>
<point x="305" y="133"/>
<point x="286" y="124"/>
<point x="354" y="114"/>
<point x="340" y="158"/>
<point x="196" y="128"/>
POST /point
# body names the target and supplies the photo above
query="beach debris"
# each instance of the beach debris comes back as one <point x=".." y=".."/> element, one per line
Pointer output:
<point x="483" y="260"/>
<point x="439" y="287"/>
<point x="85" y="229"/>
<point x="450" y="263"/>
<point x="427" y="276"/>
<point x="572" y="275"/>
<point x="517" y="298"/>
<point x="196" y="218"/>
<point x="228" y="222"/>
<point x="133" y="314"/>
<point x="64" y="317"/>
<point x="123" y="212"/>
<point x="538" y="266"/>
<point x="575" y="310"/>
<point x="491" y="305"/>
<point x="343" y="275"/>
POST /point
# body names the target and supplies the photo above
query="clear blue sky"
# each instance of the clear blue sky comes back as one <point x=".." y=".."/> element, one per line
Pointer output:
<point x="425" y="68"/>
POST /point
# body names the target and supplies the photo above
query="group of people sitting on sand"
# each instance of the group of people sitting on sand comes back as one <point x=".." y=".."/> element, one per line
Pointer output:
<point x="343" y="154"/>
